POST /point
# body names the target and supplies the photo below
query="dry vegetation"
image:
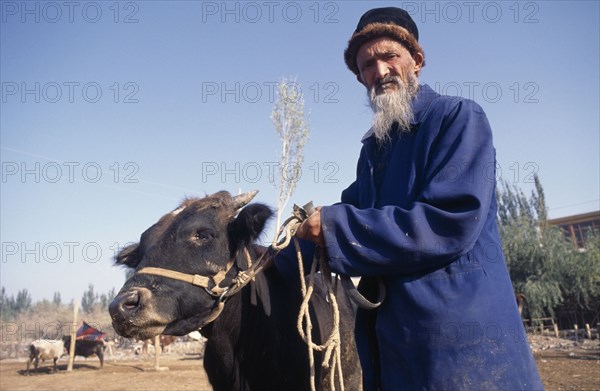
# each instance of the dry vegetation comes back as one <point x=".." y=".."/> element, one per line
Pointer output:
<point x="51" y="321"/>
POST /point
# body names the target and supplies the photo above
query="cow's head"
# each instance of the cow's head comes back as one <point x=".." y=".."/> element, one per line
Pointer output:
<point x="202" y="236"/>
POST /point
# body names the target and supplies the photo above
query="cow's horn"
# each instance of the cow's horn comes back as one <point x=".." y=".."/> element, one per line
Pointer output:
<point x="239" y="201"/>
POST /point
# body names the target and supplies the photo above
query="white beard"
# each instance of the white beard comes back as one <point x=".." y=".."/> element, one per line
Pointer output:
<point x="392" y="106"/>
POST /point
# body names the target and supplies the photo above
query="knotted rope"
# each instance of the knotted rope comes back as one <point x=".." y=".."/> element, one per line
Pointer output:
<point x="332" y="346"/>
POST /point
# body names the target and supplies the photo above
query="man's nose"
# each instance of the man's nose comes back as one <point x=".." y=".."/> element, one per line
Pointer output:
<point x="382" y="69"/>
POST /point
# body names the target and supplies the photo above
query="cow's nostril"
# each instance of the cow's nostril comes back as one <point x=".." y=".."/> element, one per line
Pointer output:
<point x="125" y="303"/>
<point x="130" y="300"/>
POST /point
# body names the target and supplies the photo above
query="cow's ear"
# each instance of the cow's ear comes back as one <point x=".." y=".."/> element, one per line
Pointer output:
<point x="129" y="256"/>
<point x="249" y="223"/>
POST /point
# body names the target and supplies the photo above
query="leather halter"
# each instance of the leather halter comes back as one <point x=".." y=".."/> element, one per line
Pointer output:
<point x="211" y="284"/>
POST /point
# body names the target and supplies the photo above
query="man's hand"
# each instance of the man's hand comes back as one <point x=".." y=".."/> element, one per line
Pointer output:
<point x="311" y="230"/>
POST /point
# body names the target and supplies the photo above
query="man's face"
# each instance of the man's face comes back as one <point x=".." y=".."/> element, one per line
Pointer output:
<point x="382" y="57"/>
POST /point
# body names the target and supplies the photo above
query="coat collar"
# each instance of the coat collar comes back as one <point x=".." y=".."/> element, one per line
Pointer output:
<point x="420" y="105"/>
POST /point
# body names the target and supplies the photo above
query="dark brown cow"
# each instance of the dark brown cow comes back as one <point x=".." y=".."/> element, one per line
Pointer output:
<point x="254" y="343"/>
<point x="87" y="348"/>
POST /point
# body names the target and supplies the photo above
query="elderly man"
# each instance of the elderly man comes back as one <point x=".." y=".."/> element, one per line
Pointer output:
<point x="421" y="218"/>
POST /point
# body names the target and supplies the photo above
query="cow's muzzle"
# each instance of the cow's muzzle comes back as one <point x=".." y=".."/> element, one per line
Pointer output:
<point x="133" y="314"/>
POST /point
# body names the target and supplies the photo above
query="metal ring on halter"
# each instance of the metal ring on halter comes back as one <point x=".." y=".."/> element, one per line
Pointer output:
<point x="209" y="291"/>
<point x="223" y="297"/>
<point x="213" y="294"/>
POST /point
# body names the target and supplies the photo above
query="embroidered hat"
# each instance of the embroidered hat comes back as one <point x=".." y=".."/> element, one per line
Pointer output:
<point x="389" y="22"/>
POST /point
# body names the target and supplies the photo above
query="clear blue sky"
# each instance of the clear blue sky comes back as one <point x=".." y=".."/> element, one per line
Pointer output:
<point x="112" y="113"/>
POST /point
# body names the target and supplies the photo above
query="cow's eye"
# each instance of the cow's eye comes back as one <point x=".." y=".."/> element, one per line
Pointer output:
<point x="203" y="235"/>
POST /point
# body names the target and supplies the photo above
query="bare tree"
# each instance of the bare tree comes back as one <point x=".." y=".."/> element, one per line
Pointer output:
<point x="89" y="299"/>
<point x="57" y="299"/>
<point x="292" y="126"/>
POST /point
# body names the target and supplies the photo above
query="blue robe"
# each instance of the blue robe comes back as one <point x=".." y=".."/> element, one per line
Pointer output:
<point x="421" y="216"/>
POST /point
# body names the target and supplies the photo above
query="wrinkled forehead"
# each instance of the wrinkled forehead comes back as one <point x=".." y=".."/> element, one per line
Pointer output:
<point x="381" y="46"/>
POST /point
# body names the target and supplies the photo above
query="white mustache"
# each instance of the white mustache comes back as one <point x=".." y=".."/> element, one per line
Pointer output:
<point x="379" y="84"/>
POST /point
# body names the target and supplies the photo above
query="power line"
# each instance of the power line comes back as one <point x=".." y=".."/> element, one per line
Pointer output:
<point x="577" y="204"/>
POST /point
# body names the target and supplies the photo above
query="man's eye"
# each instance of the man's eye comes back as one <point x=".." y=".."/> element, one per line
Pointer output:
<point x="365" y="66"/>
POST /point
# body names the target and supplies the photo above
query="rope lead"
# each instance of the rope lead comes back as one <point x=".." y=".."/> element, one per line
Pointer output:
<point x="331" y="347"/>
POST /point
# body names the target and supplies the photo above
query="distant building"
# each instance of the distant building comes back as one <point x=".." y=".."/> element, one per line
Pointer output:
<point x="577" y="228"/>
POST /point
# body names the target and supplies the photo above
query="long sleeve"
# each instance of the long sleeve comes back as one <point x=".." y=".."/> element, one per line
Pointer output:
<point x="452" y="182"/>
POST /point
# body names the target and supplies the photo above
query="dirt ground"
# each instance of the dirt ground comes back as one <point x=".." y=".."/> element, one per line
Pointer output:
<point x="570" y="369"/>
<point x="575" y="370"/>
<point x="184" y="373"/>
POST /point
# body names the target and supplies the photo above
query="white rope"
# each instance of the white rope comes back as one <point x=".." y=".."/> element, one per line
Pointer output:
<point x="332" y="346"/>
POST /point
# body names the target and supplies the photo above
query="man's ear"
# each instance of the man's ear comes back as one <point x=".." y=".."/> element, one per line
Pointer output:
<point x="419" y="62"/>
<point x="129" y="256"/>
<point x="248" y="224"/>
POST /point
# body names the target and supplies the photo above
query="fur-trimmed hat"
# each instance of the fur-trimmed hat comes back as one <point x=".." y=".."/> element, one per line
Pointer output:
<point x="390" y="22"/>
